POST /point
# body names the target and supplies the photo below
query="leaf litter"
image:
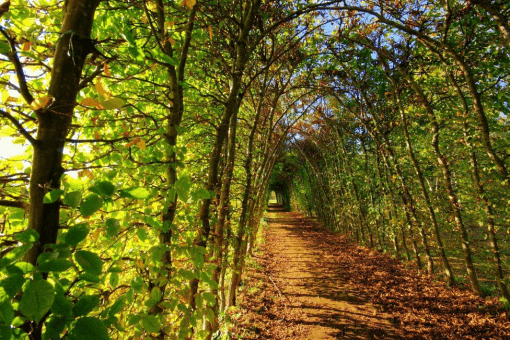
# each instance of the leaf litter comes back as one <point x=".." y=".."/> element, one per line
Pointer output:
<point x="308" y="283"/>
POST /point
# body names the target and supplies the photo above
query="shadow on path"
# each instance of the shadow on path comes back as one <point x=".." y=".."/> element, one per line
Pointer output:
<point x="315" y="285"/>
<point x="308" y="283"/>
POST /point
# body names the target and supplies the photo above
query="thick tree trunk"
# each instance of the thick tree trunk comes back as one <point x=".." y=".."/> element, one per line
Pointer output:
<point x="72" y="48"/>
<point x="54" y="121"/>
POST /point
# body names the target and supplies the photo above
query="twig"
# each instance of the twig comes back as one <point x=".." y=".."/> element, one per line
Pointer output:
<point x="278" y="289"/>
<point x="13" y="56"/>
<point x="20" y="127"/>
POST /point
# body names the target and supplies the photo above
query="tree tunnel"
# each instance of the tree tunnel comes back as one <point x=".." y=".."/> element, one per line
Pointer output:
<point x="387" y="121"/>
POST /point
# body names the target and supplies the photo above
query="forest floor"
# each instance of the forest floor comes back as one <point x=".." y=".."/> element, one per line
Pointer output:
<point x="308" y="283"/>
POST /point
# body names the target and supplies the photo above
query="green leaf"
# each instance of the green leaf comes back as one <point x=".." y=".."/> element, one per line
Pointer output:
<point x="77" y="234"/>
<point x="203" y="194"/>
<point x="12" y="284"/>
<point x="52" y="196"/>
<point x="14" y="255"/>
<point x="151" y="324"/>
<point x="89" y="262"/>
<point x="187" y="274"/>
<point x="73" y="199"/>
<point x="24" y="267"/>
<point x="150" y="302"/>
<point x="113" y="103"/>
<point x="209" y="297"/>
<point x="104" y="188"/>
<point x="5" y="333"/>
<point x="5" y="48"/>
<point x="112" y="226"/>
<point x="27" y="236"/>
<point x="89" y="277"/>
<point x="89" y="328"/>
<point x="62" y="305"/>
<point x="156" y="253"/>
<point x="37" y="299"/>
<point x="142" y="234"/>
<point x="114" y="280"/>
<point x="117" y="306"/>
<point x="134" y="319"/>
<point x="6" y="311"/>
<point x="86" y="304"/>
<point x="156" y="294"/>
<point x="54" y="327"/>
<point x="90" y="205"/>
<point x="135" y="192"/>
<point x="55" y="265"/>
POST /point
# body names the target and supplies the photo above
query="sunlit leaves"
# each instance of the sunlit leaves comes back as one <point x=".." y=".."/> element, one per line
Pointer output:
<point x="151" y="324"/>
<point x="91" y="204"/>
<point x="89" y="262"/>
<point x="85" y="304"/>
<point x="73" y="199"/>
<point x="89" y="328"/>
<point x="38" y="296"/>
<point x="77" y="234"/>
<point x="55" y="265"/>
<point x="52" y="196"/>
<point x="135" y="192"/>
<point x="27" y="236"/>
<point x="112" y="226"/>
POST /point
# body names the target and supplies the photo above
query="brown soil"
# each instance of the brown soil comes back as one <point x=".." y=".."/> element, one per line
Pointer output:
<point x="310" y="284"/>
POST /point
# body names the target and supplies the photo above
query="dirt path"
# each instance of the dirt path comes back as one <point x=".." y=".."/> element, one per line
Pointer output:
<point x="311" y="284"/>
<point x="310" y="278"/>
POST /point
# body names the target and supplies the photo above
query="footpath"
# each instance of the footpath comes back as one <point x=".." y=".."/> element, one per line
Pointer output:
<point x="307" y="283"/>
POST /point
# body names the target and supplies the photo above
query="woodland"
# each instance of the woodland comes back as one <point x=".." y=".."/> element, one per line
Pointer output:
<point x="149" y="135"/>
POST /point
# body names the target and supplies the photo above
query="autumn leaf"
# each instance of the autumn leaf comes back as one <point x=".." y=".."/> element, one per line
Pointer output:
<point x="107" y="70"/>
<point x="89" y="102"/>
<point x="189" y="3"/>
<point x="102" y="91"/>
<point x="171" y="40"/>
<point x="210" y="32"/>
<point x="133" y="142"/>
<point x="40" y="103"/>
<point x="169" y="25"/>
<point x="96" y="135"/>
<point x="141" y="144"/>
<point x="26" y="46"/>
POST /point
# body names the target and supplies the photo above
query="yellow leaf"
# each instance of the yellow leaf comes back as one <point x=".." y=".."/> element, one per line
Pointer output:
<point x="26" y="46"/>
<point x="113" y="103"/>
<point x="107" y="70"/>
<point x="40" y="103"/>
<point x="141" y="144"/>
<point x="169" y="25"/>
<point x="133" y="142"/>
<point x="189" y="3"/>
<point x="140" y="264"/>
<point x="102" y="91"/>
<point x="89" y="102"/>
<point x="171" y="40"/>
<point x="210" y="32"/>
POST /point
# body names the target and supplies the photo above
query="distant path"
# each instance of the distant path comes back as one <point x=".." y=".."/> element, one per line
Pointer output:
<point x="315" y="285"/>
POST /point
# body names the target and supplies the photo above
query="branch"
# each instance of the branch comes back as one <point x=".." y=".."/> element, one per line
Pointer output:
<point x="20" y="127"/>
<point x="13" y="57"/>
<point x="14" y="204"/>
<point x="97" y="140"/>
<point x="85" y="81"/>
